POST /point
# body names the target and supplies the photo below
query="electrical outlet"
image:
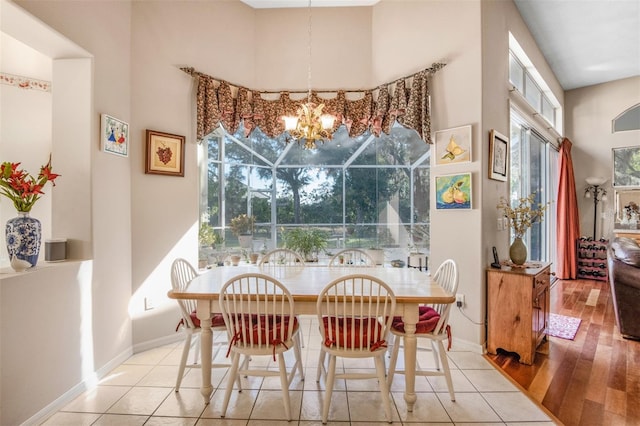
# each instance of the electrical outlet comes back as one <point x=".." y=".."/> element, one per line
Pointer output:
<point x="459" y="299"/>
<point x="148" y="304"/>
<point x="500" y="227"/>
<point x="505" y="223"/>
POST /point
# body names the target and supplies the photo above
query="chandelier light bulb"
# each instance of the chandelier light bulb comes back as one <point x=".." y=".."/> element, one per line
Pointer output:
<point x="290" y="123"/>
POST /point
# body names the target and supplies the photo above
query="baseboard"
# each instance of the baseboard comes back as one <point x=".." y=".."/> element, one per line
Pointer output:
<point x="152" y="344"/>
<point x="74" y="392"/>
<point x="465" y="345"/>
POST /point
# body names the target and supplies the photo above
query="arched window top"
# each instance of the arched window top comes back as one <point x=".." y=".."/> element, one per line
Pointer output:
<point x="627" y="120"/>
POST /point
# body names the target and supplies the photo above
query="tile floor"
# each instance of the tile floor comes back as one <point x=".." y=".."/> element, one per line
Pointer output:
<point x="141" y="392"/>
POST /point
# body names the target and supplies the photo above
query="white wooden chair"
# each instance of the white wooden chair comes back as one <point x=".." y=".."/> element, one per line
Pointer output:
<point x="430" y="327"/>
<point x="354" y="316"/>
<point x="351" y="257"/>
<point x="281" y="257"/>
<point x="182" y="272"/>
<point x="258" y="311"/>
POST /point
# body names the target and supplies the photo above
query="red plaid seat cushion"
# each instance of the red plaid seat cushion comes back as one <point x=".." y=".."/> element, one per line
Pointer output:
<point x="427" y="320"/>
<point x="336" y="329"/>
<point x="216" y="321"/>
<point x="254" y="329"/>
<point x="264" y="329"/>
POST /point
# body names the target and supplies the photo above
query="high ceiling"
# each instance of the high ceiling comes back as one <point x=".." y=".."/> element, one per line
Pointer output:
<point x="585" y="42"/>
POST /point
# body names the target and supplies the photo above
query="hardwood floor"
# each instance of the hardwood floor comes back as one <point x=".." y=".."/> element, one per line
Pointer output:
<point x="591" y="380"/>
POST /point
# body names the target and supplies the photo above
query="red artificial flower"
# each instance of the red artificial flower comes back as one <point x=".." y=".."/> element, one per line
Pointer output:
<point x="22" y="188"/>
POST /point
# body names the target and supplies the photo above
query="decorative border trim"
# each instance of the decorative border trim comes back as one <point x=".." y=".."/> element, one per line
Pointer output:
<point x="25" y="82"/>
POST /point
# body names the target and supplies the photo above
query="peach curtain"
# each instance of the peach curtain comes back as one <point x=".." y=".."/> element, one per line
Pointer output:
<point x="568" y="220"/>
<point x="222" y="103"/>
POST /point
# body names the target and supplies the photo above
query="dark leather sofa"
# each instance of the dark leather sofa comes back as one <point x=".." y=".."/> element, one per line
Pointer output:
<point x="623" y="258"/>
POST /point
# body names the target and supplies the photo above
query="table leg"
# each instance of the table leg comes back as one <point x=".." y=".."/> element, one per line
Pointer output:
<point x="410" y="318"/>
<point x="203" y="311"/>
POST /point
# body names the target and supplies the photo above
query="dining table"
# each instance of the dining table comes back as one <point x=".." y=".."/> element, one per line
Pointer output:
<point x="411" y="287"/>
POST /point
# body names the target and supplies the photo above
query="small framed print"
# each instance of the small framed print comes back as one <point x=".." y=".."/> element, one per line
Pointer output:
<point x="165" y="154"/>
<point x="114" y="135"/>
<point x="453" y="145"/>
<point x="498" y="156"/>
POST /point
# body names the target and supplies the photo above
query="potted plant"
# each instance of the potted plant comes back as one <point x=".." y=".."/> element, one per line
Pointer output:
<point x="208" y="237"/>
<point x="376" y="254"/>
<point x="242" y="227"/>
<point x="306" y="241"/>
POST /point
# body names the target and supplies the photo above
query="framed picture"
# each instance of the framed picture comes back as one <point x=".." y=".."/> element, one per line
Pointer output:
<point x="453" y="145"/>
<point x="165" y="154"/>
<point x="498" y="156"/>
<point x="114" y="135"/>
<point x="626" y="167"/>
<point x="453" y="192"/>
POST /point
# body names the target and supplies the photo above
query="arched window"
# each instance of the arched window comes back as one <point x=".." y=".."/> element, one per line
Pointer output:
<point x="627" y="120"/>
<point x="363" y="192"/>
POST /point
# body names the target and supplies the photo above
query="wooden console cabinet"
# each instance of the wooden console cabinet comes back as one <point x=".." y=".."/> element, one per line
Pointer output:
<point x="518" y="309"/>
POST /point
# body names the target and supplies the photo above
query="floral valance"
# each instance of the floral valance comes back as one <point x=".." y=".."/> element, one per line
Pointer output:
<point x="405" y="100"/>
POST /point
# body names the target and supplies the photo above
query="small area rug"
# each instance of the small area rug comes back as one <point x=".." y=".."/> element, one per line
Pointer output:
<point x="563" y="327"/>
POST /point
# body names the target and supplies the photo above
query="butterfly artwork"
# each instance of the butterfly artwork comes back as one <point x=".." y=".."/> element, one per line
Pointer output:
<point x="453" y="145"/>
<point x="453" y="150"/>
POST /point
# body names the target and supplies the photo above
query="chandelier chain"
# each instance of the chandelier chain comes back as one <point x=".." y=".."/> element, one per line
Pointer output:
<point x="309" y="53"/>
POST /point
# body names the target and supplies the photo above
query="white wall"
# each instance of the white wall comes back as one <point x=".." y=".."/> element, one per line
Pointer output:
<point x="590" y="111"/>
<point x="341" y="48"/>
<point x="47" y="337"/>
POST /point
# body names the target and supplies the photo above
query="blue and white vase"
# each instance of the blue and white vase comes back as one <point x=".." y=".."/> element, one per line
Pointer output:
<point x="23" y="234"/>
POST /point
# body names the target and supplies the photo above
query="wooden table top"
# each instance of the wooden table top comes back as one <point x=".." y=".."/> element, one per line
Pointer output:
<point x="305" y="282"/>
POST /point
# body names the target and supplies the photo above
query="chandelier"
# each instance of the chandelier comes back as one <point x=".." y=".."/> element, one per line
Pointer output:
<point x="309" y="124"/>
